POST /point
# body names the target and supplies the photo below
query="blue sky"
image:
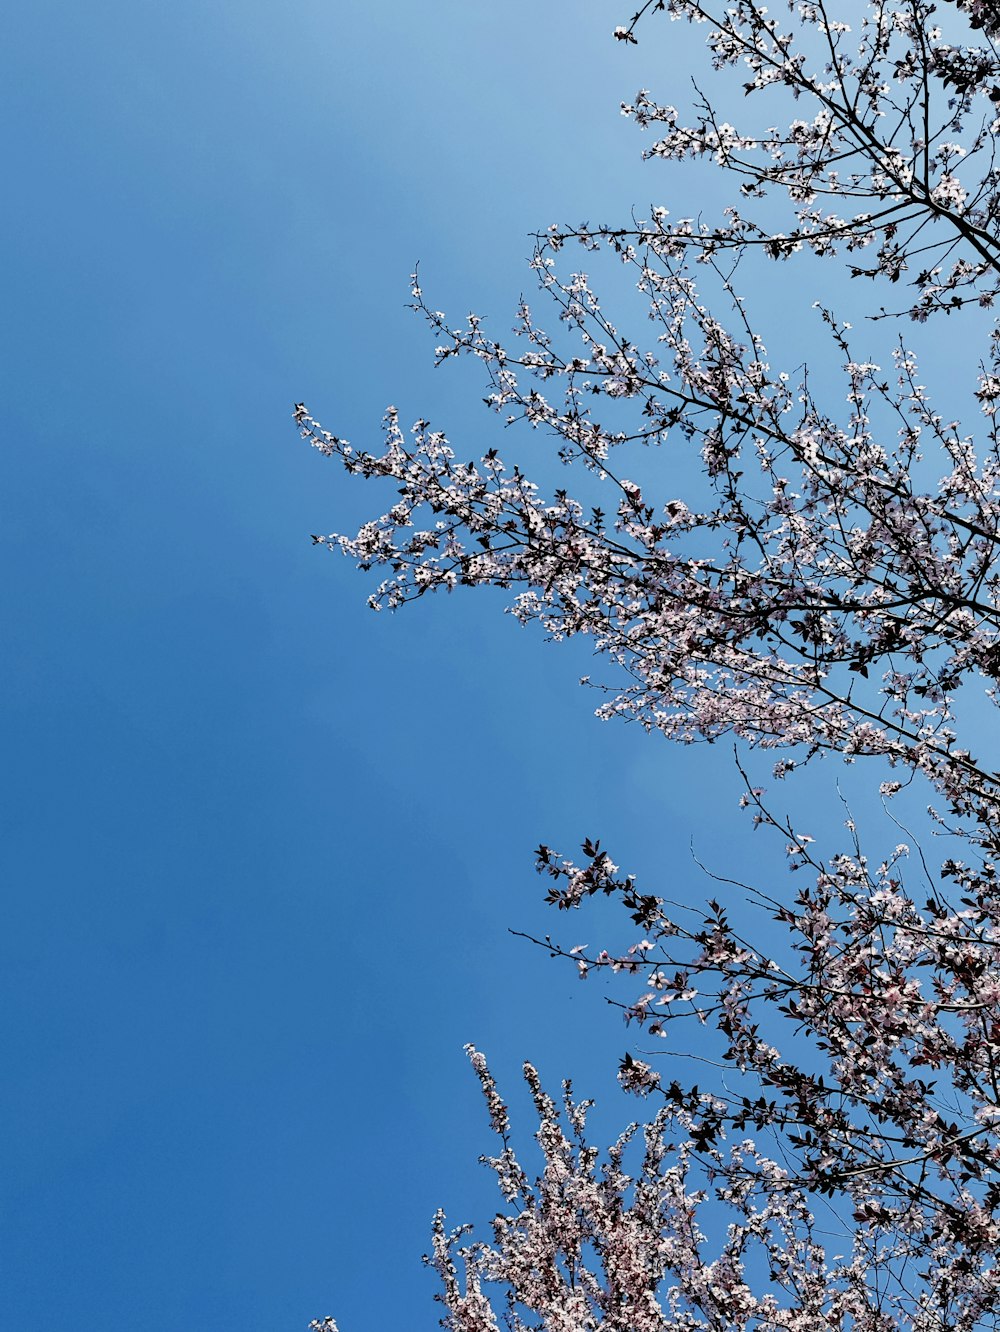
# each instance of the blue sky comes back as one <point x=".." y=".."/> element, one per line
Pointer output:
<point x="263" y="847"/>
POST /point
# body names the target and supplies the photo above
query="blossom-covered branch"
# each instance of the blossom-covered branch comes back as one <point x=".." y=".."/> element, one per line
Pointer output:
<point x="820" y="597"/>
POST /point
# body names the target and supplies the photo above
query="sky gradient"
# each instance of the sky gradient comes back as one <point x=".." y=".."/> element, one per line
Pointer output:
<point x="262" y="846"/>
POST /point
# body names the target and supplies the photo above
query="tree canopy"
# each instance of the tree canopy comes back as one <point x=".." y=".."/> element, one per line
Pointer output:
<point x="828" y="584"/>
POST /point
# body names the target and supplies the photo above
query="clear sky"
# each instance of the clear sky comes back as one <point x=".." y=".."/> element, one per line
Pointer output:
<point x="262" y="847"/>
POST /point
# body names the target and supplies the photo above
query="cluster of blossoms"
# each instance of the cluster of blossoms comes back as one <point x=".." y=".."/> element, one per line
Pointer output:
<point x="829" y="582"/>
<point x="867" y="1198"/>
<point x="631" y="1240"/>
<point x="590" y="1244"/>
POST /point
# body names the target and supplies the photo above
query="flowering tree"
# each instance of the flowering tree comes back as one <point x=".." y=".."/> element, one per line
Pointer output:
<point x="821" y="587"/>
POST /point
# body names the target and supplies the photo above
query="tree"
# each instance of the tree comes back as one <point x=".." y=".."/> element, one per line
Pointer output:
<point x="821" y="588"/>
